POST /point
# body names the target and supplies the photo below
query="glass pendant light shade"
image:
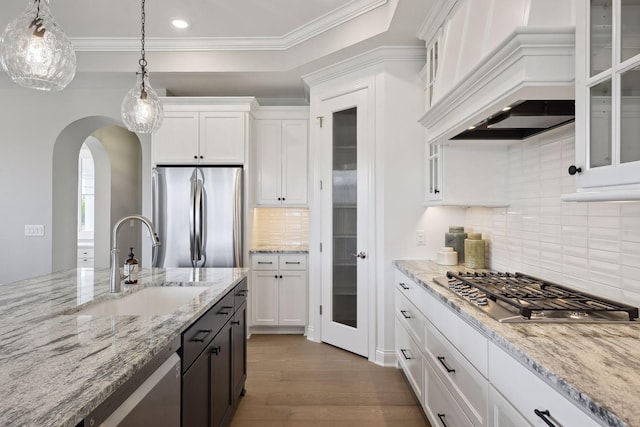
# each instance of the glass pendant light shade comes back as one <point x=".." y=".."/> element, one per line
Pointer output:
<point x="35" y="52"/>
<point x="141" y="109"/>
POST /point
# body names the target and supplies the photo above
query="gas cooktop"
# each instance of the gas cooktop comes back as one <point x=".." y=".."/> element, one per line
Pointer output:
<point x="520" y="298"/>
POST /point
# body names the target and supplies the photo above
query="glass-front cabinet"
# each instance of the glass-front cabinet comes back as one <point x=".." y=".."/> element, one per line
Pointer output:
<point x="607" y="98"/>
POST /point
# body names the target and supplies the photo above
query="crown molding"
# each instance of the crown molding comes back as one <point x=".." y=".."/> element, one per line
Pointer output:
<point x="326" y="22"/>
<point x="368" y="59"/>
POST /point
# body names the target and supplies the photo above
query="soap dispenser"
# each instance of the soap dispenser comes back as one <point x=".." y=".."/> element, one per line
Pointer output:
<point x="131" y="269"/>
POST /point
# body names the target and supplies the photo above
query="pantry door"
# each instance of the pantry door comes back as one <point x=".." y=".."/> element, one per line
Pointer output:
<point x="345" y="221"/>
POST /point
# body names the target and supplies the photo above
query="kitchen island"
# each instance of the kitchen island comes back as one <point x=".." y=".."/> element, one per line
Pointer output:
<point x="594" y="366"/>
<point x="57" y="366"/>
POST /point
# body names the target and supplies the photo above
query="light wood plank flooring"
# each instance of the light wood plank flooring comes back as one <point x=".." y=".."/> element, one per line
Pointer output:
<point x="295" y="382"/>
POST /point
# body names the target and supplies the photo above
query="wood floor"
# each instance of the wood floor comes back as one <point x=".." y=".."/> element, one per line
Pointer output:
<point x="295" y="382"/>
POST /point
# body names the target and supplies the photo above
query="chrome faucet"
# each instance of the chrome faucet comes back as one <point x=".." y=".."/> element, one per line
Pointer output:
<point x="116" y="277"/>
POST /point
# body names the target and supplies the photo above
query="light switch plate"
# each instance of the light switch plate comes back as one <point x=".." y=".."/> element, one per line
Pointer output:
<point x="420" y="238"/>
<point x="34" y="230"/>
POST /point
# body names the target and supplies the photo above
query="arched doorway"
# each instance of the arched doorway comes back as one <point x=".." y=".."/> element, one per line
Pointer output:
<point x="118" y="179"/>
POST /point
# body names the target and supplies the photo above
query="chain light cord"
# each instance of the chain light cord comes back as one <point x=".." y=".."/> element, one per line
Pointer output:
<point x="143" y="61"/>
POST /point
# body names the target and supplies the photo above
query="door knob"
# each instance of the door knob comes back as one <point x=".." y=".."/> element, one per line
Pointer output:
<point x="360" y="255"/>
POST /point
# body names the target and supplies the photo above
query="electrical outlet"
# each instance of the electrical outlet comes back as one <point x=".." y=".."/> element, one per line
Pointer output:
<point x="34" y="230"/>
<point x="420" y="238"/>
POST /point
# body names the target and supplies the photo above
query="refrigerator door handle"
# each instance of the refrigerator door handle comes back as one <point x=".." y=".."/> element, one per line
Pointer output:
<point x="199" y="235"/>
<point x="237" y="220"/>
<point x="155" y="208"/>
<point x="192" y="220"/>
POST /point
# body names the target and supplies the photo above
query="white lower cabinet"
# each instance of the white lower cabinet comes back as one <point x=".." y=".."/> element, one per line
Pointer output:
<point x="441" y="407"/>
<point x="466" y="379"/>
<point x="502" y="413"/>
<point x="279" y="290"/>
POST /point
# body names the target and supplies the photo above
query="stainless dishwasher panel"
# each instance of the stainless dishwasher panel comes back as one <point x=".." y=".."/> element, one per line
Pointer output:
<point x="156" y="402"/>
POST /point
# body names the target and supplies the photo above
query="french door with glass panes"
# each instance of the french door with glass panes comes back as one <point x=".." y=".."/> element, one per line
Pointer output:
<point x="345" y="221"/>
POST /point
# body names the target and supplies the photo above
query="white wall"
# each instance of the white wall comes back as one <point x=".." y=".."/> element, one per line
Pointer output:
<point x="30" y="123"/>
<point x="594" y="246"/>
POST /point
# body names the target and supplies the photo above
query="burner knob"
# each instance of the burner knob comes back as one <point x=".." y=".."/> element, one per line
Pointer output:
<point x="482" y="302"/>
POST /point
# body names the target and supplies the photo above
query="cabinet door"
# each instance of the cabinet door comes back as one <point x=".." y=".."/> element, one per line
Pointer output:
<point x="239" y="326"/>
<point x="177" y="139"/>
<point x="502" y="413"/>
<point x="269" y="162"/>
<point x="222" y="137"/>
<point x="433" y="173"/>
<point x="292" y="299"/>
<point x="195" y="392"/>
<point x="221" y="386"/>
<point x="294" y="162"/>
<point x="265" y="297"/>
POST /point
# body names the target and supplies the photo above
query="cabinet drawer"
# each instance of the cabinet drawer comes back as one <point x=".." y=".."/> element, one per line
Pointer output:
<point x="468" y="340"/>
<point x="264" y="262"/>
<point x="410" y="359"/>
<point x="409" y="316"/>
<point x="293" y="262"/>
<point x="410" y="289"/>
<point x="197" y="337"/>
<point x="463" y="381"/>
<point x="530" y="395"/>
<point x="240" y="294"/>
<point x="502" y="413"/>
<point x="441" y="407"/>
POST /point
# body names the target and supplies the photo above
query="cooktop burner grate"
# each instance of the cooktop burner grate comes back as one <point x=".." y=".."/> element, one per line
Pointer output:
<point x="530" y="295"/>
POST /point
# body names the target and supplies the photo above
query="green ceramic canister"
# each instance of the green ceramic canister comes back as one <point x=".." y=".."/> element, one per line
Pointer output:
<point x="474" y="248"/>
<point x="455" y="239"/>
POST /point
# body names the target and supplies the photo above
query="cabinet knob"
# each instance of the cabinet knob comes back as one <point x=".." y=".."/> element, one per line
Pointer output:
<point x="279" y="198"/>
<point x="574" y="170"/>
<point x="436" y="191"/>
<point x="202" y="157"/>
<point x="195" y="157"/>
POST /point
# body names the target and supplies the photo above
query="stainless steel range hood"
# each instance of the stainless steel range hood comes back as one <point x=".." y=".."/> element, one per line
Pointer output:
<point x="522" y="120"/>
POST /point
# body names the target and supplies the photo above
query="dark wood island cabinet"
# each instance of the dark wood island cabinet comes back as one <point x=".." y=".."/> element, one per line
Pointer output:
<point x="214" y="362"/>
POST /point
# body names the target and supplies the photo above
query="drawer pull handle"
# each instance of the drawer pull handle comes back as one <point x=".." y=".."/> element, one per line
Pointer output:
<point x="544" y="415"/>
<point x="404" y="286"/>
<point x="404" y="353"/>
<point x="226" y="307"/>
<point x="235" y="322"/>
<point x="196" y="338"/>
<point x="441" y="360"/>
<point x="291" y="262"/>
<point x="405" y="314"/>
<point x="265" y="262"/>
<point x="441" y="416"/>
<point x="242" y="293"/>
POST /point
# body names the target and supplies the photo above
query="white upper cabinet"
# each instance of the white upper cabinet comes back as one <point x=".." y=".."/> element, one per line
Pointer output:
<point x="203" y="131"/>
<point x="281" y="157"/>
<point x="607" y="163"/>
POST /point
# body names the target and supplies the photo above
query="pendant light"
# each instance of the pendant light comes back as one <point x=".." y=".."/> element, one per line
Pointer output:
<point x="35" y="52"/>
<point x="141" y="108"/>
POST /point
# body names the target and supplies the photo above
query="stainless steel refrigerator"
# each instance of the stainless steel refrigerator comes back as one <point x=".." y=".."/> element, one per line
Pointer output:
<point x="197" y="212"/>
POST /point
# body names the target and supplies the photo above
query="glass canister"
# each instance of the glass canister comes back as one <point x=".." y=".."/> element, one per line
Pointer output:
<point x="474" y="248"/>
<point x="455" y="239"/>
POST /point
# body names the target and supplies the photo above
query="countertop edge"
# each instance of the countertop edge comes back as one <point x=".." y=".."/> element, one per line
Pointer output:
<point x="585" y="402"/>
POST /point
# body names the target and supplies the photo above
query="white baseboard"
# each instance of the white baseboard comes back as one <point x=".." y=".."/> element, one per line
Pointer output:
<point x="277" y="330"/>
<point x="386" y="357"/>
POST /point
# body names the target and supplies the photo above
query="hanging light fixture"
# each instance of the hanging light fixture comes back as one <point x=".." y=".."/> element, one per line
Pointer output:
<point x="141" y="108"/>
<point x="35" y="52"/>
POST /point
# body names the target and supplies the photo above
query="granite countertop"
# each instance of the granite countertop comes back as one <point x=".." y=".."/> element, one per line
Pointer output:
<point x="55" y="368"/>
<point x="280" y="249"/>
<point x="595" y="366"/>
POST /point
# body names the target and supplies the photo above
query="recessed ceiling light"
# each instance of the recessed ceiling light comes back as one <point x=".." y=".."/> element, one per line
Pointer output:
<point x="179" y="23"/>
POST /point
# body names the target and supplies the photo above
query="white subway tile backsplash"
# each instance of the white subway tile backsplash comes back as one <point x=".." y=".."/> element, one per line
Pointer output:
<point x="591" y="246"/>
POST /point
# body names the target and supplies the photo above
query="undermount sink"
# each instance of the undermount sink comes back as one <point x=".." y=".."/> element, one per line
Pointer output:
<point x="145" y="302"/>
